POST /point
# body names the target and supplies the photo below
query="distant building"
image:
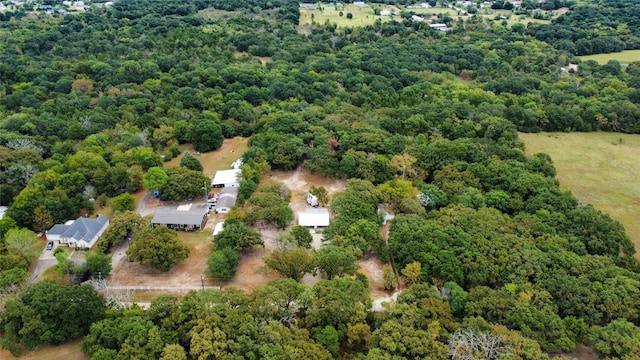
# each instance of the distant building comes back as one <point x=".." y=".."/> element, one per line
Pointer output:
<point x="417" y="18"/>
<point x="3" y="210"/>
<point x="227" y="178"/>
<point x="226" y="200"/>
<point x="359" y="3"/>
<point x="185" y="217"/>
<point x="81" y="233"/>
<point x="219" y="227"/>
<point x="314" y="218"/>
<point x="441" y="27"/>
<point x="385" y="13"/>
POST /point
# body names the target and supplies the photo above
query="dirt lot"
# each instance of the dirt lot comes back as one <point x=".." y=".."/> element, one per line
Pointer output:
<point x="186" y="273"/>
<point x="67" y="351"/>
<point x="230" y="151"/>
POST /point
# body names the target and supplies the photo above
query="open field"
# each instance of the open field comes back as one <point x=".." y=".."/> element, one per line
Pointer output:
<point x="67" y="351"/>
<point x="599" y="168"/>
<point x="362" y="15"/>
<point x="221" y="159"/>
<point x="185" y="273"/>
<point x="625" y="57"/>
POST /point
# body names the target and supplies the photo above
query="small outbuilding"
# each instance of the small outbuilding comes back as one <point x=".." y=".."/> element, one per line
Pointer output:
<point x="226" y="199"/>
<point x="227" y="178"/>
<point x="81" y="233"/>
<point x="314" y="218"/>
<point x="185" y="217"/>
<point x="218" y="228"/>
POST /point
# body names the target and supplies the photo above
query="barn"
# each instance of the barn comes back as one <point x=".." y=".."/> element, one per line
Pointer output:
<point x="227" y="178"/>
<point x="314" y="218"/>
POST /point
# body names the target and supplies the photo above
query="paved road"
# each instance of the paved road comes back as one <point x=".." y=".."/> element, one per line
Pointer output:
<point x="45" y="261"/>
<point x="119" y="254"/>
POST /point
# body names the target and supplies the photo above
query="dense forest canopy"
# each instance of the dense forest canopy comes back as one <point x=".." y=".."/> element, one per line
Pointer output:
<point x="92" y="103"/>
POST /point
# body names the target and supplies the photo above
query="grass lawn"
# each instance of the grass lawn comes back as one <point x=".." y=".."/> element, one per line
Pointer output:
<point x="625" y="57"/>
<point x="68" y="351"/>
<point x="599" y="168"/>
<point x="221" y="159"/>
<point x="362" y="15"/>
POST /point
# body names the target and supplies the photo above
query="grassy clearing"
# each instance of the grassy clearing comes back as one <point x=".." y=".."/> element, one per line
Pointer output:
<point x="625" y="57"/>
<point x="362" y="15"/>
<point x="221" y="159"/>
<point x="68" y="351"/>
<point x="599" y="168"/>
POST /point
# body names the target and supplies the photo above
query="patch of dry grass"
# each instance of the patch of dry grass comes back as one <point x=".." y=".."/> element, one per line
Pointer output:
<point x="599" y="168"/>
<point x="67" y="351"/>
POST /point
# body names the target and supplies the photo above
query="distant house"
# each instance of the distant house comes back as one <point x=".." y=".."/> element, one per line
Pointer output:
<point x="3" y="209"/>
<point x="417" y="18"/>
<point x="385" y="13"/>
<point x="185" y="217"/>
<point x="81" y="233"/>
<point x="441" y="27"/>
<point x="227" y="178"/>
<point x="359" y="3"/>
<point x="314" y="218"/>
<point x="226" y="200"/>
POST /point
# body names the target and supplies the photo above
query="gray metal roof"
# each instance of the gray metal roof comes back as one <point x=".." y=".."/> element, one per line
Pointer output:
<point x="81" y="229"/>
<point x="175" y="217"/>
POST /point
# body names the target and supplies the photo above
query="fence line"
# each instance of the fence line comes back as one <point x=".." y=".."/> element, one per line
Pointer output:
<point x="161" y="288"/>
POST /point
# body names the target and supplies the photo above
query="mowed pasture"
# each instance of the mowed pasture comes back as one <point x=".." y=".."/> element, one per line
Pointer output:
<point x="625" y="57"/>
<point x="598" y="168"/>
<point x="362" y="15"/>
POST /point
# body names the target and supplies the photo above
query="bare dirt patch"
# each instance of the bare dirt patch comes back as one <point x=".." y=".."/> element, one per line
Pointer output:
<point x="67" y="351"/>
<point x="372" y="267"/>
<point x="185" y="273"/>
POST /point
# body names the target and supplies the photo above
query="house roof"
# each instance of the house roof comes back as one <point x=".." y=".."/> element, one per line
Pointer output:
<point x="314" y="217"/>
<point x="193" y="215"/>
<point x="226" y="177"/>
<point x="227" y="198"/>
<point x="83" y="229"/>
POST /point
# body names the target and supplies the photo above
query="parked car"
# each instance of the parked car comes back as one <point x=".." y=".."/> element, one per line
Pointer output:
<point x="50" y="245"/>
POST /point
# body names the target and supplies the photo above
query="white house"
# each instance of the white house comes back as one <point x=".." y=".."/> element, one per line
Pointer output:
<point x="314" y="218"/>
<point x="81" y="233"/>
<point x="226" y="199"/>
<point x="385" y="13"/>
<point x="227" y="178"/>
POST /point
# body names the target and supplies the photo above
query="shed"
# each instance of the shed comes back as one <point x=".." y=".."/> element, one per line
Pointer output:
<point x="227" y="178"/>
<point x="314" y="218"/>
<point x="82" y="233"/>
<point x="186" y="217"/>
<point x="219" y="227"/>
<point x="226" y="199"/>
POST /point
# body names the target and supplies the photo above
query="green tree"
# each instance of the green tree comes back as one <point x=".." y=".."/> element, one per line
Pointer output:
<point x="413" y="272"/>
<point x="321" y="193"/>
<point x="302" y="236"/>
<point x="334" y="260"/>
<point x="294" y="263"/>
<point x="206" y="136"/>
<point x="122" y="203"/>
<point x="155" y="178"/>
<point x="238" y="236"/>
<point x="223" y="263"/>
<point x="329" y="337"/>
<point x="173" y="352"/>
<point x="46" y="313"/>
<point x="190" y="162"/>
<point x="122" y="226"/>
<point x="158" y="247"/>
<point x="619" y="338"/>
<point x="96" y="265"/>
<point x="42" y="219"/>
<point x="23" y="242"/>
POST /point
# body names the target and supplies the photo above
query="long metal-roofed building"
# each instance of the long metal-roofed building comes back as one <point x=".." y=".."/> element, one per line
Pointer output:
<point x="188" y="217"/>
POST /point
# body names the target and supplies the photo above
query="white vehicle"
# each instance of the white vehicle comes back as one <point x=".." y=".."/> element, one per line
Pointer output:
<point x="312" y="200"/>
